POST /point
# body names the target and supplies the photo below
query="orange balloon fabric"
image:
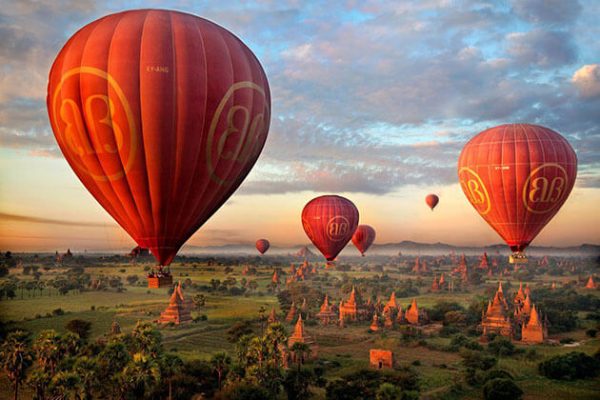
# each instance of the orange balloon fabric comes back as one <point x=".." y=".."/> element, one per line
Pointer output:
<point x="363" y="238"/>
<point x="329" y="222"/>
<point x="432" y="200"/>
<point x="161" y="115"/>
<point x="517" y="177"/>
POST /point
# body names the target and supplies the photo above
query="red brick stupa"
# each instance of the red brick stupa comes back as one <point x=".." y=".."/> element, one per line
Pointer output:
<point x="179" y="309"/>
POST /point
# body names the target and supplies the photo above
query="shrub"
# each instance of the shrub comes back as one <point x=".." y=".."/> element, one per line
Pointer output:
<point x="58" y="311"/>
<point x="79" y="327"/>
<point x="570" y="366"/>
<point x="591" y="332"/>
<point x="502" y="389"/>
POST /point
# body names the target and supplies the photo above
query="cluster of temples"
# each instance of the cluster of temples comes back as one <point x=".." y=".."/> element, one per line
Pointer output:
<point x="496" y="318"/>
<point x="301" y="273"/>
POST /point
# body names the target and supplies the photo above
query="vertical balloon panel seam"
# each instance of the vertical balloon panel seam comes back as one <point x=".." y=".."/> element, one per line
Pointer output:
<point x="131" y="198"/>
<point x="149" y="241"/>
<point x="149" y="224"/>
<point x="171" y="221"/>
<point x="200" y="170"/>
<point x="182" y="228"/>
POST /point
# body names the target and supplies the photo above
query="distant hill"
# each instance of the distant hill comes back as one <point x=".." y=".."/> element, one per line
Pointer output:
<point x="407" y="247"/>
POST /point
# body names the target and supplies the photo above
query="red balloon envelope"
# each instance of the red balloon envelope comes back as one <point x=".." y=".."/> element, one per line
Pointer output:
<point x="517" y="177"/>
<point x="161" y="115"/>
<point x="432" y="200"/>
<point x="363" y="238"/>
<point x="329" y="222"/>
<point x="262" y="245"/>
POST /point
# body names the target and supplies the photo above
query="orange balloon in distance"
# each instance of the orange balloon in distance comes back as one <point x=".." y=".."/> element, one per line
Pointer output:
<point x="432" y="200"/>
<point x="517" y="177"/>
<point x="262" y="245"/>
<point x="329" y="222"/>
<point x="363" y="238"/>
<point x="161" y="115"/>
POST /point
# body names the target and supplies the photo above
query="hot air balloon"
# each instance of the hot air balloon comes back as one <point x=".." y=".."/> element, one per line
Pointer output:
<point x="161" y="115"/>
<point x="517" y="177"/>
<point x="329" y="222"/>
<point x="262" y="245"/>
<point x="363" y="238"/>
<point x="432" y="200"/>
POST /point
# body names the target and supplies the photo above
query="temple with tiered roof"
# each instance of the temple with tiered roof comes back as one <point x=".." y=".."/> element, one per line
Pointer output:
<point x="179" y="309"/>
<point x="495" y="318"/>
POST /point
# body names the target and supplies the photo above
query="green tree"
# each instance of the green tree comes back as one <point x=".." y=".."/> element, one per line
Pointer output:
<point x="387" y="391"/>
<point x="220" y="362"/>
<point x="16" y="358"/>
<point x="79" y="327"/>
<point x="170" y="366"/>
<point x="86" y="369"/>
<point x="66" y="385"/>
<point x="139" y="377"/>
<point x="300" y="351"/>
<point x="146" y="339"/>
<point x="199" y="300"/>
<point x="297" y="383"/>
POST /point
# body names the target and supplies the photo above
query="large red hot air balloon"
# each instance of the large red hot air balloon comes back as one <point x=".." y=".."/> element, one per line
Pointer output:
<point x="262" y="245"/>
<point x="517" y="177"/>
<point x="161" y="115"/>
<point x="432" y="200"/>
<point x="363" y="238"/>
<point x="329" y="222"/>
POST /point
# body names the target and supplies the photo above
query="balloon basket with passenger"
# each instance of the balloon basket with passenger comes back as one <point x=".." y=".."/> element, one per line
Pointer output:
<point x="160" y="277"/>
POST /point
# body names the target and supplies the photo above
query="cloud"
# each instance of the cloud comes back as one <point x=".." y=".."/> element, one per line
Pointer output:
<point x="541" y="48"/>
<point x="367" y="97"/>
<point x="547" y="11"/>
<point x="6" y="217"/>
<point x="587" y="80"/>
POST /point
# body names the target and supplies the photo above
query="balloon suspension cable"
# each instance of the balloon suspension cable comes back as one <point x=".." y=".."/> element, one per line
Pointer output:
<point x="518" y="257"/>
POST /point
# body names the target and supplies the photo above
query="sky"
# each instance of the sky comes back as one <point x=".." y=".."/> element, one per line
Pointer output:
<point x="371" y="100"/>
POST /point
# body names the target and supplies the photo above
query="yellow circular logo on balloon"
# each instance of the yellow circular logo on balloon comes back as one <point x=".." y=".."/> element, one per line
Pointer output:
<point x="475" y="190"/>
<point x="545" y="188"/>
<point x="96" y="130"/>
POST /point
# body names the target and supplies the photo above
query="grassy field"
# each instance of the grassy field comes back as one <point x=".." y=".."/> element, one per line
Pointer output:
<point x="348" y="347"/>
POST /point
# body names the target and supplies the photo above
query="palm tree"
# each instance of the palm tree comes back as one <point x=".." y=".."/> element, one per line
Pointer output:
<point x="170" y="366"/>
<point x="41" y="285"/>
<point x="276" y="335"/>
<point x="140" y="376"/>
<point x="65" y="383"/>
<point x="16" y="358"/>
<point x="146" y="339"/>
<point x="86" y="368"/>
<point x="220" y="362"/>
<point x="301" y="351"/>
<point x="48" y="348"/>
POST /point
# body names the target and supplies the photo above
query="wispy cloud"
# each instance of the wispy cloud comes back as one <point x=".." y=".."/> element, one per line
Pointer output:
<point x="5" y="217"/>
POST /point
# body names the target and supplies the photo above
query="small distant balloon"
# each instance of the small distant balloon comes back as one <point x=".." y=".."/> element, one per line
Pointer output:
<point x="432" y="200"/>
<point x="262" y="245"/>
<point x="363" y="238"/>
<point x="329" y="222"/>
